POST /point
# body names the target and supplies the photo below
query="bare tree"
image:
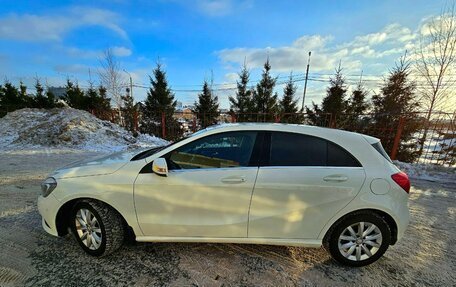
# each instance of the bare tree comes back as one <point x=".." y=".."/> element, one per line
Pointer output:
<point x="436" y="62"/>
<point x="111" y="77"/>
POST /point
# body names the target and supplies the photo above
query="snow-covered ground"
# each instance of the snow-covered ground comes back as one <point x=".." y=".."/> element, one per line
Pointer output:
<point x="436" y="146"/>
<point x="429" y="172"/>
<point x="66" y="128"/>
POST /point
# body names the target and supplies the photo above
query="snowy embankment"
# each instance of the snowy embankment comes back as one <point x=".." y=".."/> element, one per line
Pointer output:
<point x="66" y="128"/>
<point x="429" y="172"/>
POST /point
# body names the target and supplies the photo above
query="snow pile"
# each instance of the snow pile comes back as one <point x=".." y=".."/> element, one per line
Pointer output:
<point x="430" y="172"/>
<point x="66" y="128"/>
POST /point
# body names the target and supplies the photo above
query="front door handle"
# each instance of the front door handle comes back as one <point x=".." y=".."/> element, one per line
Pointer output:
<point x="335" y="178"/>
<point x="233" y="179"/>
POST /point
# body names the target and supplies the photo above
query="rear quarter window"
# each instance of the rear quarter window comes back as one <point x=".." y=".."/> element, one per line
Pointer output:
<point x="337" y="156"/>
<point x="378" y="147"/>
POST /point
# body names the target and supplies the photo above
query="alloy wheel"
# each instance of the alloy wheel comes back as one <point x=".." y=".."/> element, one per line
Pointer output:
<point x="360" y="241"/>
<point x="88" y="229"/>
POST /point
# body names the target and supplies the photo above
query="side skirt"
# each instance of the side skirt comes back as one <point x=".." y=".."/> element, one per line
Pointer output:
<point x="312" y="243"/>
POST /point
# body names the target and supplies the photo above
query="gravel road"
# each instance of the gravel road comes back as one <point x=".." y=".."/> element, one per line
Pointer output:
<point x="30" y="257"/>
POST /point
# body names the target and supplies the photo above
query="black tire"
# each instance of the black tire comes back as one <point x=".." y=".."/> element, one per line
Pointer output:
<point x="331" y="240"/>
<point x="110" y="222"/>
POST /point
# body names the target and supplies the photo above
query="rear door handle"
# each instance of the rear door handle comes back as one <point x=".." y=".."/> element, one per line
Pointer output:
<point x="233" y="179"/>
<point x="335" y="178"/>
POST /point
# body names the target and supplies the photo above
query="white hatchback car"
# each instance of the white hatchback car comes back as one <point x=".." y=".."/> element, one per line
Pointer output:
<point x="239" y="183"/>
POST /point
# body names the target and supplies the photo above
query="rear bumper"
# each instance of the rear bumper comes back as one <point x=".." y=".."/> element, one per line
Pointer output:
<point x="402" y="220"/>
<point x="48" y="208"/>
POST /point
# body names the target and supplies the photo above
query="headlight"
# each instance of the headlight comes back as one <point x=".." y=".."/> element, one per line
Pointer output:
<point x="48" y="186"/>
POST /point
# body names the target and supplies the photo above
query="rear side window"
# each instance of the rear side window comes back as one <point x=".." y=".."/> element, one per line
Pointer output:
<point x="378" y="147"/>
<point x="291" y="149"/>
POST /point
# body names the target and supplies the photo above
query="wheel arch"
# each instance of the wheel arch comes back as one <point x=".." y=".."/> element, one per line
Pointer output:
<point x="388" y="218"/>
<point x="63" y="215"/>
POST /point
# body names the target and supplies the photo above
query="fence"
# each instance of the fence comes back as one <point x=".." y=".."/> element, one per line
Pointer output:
<point x="406" y="137"/>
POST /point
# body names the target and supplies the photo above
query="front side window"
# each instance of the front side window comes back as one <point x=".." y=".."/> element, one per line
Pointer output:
<point x="292" y="149"/>
<point x="230" y="149"/>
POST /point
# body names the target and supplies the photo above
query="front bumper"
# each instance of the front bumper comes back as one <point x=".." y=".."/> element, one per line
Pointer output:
<point x="48" y="208"/>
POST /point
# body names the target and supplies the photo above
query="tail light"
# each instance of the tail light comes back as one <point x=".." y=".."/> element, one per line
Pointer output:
<point x="402" y="180"/>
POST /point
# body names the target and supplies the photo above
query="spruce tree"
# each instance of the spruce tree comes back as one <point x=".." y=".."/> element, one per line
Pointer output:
<point x="396" y="100"/>
<point x="103" y="104"/>
<point x="241" y="105"/>
<point x="24" y="97"/>
<point x="11" y="99"/>
<point x="3" y="109"/>
<point x="74" y="96"/>
<point x="91" y="96"/>
<point x="207" y="107"/>
<point x="50" y="98"/>
<point x="334" y="104"/>
<point x="160" y="102"/>
<point x="289" y="105"/>
<point x="40" y="100"/>
<point x="129" y="111"/>
<point x="264" y="99"/>
<point x="356" y="107"/>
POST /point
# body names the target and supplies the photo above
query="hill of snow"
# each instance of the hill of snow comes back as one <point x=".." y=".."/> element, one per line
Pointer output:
<point x="66" y="128"/>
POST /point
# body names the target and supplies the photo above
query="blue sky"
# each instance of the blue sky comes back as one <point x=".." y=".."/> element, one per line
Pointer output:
<point x="196" y="38"/>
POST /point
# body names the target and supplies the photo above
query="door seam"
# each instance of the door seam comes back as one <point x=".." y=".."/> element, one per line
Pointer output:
<point x="250" y="204"/>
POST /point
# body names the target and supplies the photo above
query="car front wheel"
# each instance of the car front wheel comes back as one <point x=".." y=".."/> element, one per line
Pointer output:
<point x="97" y="227"/>
<point x="359" y="239"/>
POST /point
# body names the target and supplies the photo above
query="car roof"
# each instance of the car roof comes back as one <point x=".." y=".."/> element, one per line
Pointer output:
<point x="281" y="127"/>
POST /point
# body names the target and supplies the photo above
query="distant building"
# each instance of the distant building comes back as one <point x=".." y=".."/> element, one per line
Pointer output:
<point x="191" y="107"/>
<point x="185" y="113"/>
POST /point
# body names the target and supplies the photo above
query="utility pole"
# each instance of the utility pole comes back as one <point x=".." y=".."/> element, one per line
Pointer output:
<point x="305" y="82"/>
<point x="131" y="83"/>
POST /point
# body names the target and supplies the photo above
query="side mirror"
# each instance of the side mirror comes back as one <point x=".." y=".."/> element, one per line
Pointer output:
<point x="160" y="167"/>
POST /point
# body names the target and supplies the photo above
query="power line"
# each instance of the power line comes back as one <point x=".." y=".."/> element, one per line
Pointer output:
<point x="313" y="77"/>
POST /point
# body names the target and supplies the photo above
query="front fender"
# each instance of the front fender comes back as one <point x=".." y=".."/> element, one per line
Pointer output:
<point x="114" y="190"/>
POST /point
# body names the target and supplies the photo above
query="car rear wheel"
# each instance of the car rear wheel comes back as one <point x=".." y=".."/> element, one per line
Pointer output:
<point x="97" y="227"/>
<point x="359" y="239"/>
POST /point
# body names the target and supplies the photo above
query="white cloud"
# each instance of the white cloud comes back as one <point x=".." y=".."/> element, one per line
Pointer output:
<point x="85" y="54"/>
<point x="121" y="51"/>
<point x="363" y="50"/>
<point x="118" y="51"/>
<point x="371" y="39"/>
<point x="393" y="33"/>
<point x="231" y="77"/>
<point x="391" y="41"/>
<point x="215" y="8"/>
<point x="73" y="69"/>
<point x="54" y="26"/>
<point x="293" y="57"/>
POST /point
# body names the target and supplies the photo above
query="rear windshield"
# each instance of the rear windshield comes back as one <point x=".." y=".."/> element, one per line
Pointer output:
<point x="378" y="146"/>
